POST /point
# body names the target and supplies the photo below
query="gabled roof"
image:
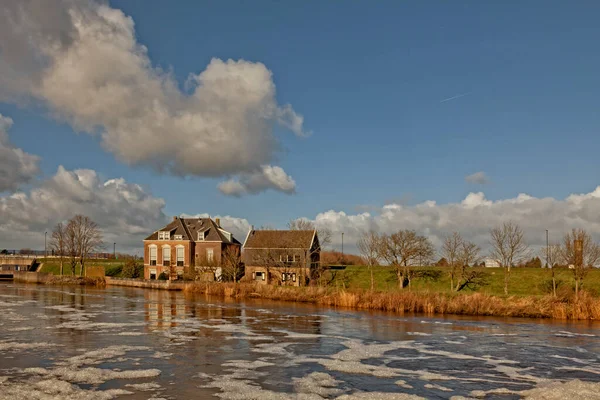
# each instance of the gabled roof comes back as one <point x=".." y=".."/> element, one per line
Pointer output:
<point x="188" y="228"/>
<point x="273" y="239"/>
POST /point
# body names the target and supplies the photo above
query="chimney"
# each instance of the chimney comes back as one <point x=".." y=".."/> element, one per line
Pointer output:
<point x="218" y="222"/>
<point x="175" y="218"/>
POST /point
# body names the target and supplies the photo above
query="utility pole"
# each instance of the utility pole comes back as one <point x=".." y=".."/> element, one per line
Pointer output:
<point x="45" y="246"/>
<point x="115" y="250"/>
<point x="547" y="251"/>
<point x="342" y="248"/>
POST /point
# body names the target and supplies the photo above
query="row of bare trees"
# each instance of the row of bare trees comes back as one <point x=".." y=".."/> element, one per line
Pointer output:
<point x="405" y="249"/>
<point x="75" y="240"/>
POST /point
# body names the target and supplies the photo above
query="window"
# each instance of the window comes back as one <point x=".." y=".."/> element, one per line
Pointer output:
<point x="152" y="274"/>
<point x="293" y="277"/>
<point x="259" y="276"/>
<point x="166" y="250"/>
<point x="210" y="255"/>
<point x="152" y="255"/>
<point x="200" y="235"/>
<point x="283" y="277"/>
<point x="180" y="256"/>
<point x="178" y="237"/>
<point x="164" y="235"/>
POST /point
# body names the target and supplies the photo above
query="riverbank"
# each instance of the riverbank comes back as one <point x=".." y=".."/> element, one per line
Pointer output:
<point x="585" y="307"/>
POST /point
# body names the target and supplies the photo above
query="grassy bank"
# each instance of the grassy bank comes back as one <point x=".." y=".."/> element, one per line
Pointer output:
<point x="52" y="266"/>
<point x="586" y="307"/>
<point x="524" y="281"/>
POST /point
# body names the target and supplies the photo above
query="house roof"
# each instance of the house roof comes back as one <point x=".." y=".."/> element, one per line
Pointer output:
<point x="188" y="228"/>
<point x="273" y="239"/>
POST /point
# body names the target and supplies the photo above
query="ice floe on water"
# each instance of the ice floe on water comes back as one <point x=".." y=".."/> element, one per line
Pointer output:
<point x="54" y="389"/>
<point x="18" y="346"/>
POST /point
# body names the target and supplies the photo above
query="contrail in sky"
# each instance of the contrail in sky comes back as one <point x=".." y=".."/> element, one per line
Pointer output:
<point x="458" y="96"/>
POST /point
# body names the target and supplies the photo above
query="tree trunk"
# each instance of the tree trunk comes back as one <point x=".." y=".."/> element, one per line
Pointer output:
<point x="372" y="282"/>
<point x="61" y="266"/>
<point x="576" y="287"/>
<point x="506" y="277"/>
<point x="553" y="284"/>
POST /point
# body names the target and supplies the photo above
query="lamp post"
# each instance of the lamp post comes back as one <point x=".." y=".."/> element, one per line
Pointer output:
<point x="115" y="250"/>
<point x="45" y="246"/>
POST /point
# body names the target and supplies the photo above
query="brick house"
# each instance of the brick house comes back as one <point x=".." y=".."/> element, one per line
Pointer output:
<point x="186" y="243"/>
<point x="281" y="257"/>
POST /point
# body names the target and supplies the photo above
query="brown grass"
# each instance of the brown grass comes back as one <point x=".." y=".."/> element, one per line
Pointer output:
<point x="75" y="280"/>
<point x="585" y="307"/>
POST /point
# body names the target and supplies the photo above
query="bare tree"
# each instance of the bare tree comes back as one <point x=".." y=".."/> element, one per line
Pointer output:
<point x="71" y="245"/>
<point x="58" y="242"/>
<point x="580" y="251"/>
<point x="468" y="256"/>
<point x="231" y="264"/>
<point x="451" y="252"/>
<point x="88" y="238"/>
<point x="508" y="248"/>
<point x="303" y="224"/>
<point x="368" y="245"/>
<point x="402" y="250"/>
<point x="553" y="255"/>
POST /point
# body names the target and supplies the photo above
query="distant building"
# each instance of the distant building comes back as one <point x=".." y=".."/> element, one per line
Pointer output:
<point x="183" y="243"/>
<point x="491" y="263"/>
<point x="281" y="257"/>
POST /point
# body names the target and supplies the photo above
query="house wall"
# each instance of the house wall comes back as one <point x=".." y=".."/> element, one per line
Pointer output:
<point x="273" y="275"/>
<point x="200" y="252"/>
<point x="187" y="255"/>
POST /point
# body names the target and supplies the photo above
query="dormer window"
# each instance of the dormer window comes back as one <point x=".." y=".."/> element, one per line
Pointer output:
<point x="162" y="235"/>
<point x="178" y="237"/>
<point x="200" y="235"/>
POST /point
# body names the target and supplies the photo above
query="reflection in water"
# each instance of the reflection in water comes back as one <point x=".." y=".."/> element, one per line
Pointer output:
<point x="79" y="342"/>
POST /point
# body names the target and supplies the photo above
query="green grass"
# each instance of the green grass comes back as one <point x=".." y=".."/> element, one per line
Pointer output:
<point x="52" y="265"/>
<point x="523" y="281"/>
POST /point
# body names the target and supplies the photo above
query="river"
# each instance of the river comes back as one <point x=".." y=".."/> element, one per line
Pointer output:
<point x="89" y="343"/>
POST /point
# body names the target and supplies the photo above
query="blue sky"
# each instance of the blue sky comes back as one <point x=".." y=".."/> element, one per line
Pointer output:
<point x="403" y="99"/>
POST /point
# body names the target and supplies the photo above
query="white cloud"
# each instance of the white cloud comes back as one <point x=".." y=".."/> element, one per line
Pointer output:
<point x="268" y="177"/>
<point x="478" y="178"/>
<point x="473" y="217"/>
<point x="125" y="212"/>
<point x="16" y="166"/>
<point x="82" y="60"/>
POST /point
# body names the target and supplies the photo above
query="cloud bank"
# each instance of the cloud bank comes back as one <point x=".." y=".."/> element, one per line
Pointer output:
<point x="125" y="212"/>
<point x="81" y="60"/>
<point x="16" y="166"/>
<point x="473" y="217"/>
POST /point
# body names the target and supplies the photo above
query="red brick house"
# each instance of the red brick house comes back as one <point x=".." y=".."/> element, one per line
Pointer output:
<point x="186" y="243"/>
<point x="281" y="257"/>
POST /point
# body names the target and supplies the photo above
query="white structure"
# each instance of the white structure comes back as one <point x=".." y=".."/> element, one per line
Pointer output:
<point x="490" y="263"/>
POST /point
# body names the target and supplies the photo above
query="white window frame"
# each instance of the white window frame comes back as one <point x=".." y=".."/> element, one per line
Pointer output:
<point x="210" y="254"/>
<point x="179" y="249"/>
<point x="293" y="277"/>
<point x="150" y="248"/>
<point x="201" y="235"/>
<point x="168" y="251"/>
<point x="178" y="237"/>
<point x="283" y="276"/>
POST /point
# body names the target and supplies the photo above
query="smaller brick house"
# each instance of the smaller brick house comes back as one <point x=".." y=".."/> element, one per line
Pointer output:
<point x="186" y="243"/>
<point x="281" y="257"/>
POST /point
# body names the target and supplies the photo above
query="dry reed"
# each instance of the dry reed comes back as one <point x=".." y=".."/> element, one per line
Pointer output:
<point x="584" y="307"/>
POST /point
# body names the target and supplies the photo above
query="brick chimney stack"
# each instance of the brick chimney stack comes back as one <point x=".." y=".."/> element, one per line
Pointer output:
<point x="218" y="222"/>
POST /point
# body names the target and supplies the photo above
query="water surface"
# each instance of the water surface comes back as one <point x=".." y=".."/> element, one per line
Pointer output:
<point x="80" y="342"/>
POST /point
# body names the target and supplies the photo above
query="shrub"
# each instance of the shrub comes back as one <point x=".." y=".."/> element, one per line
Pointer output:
<point x="114" y="270"/>
<point x="163" y="276"/>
